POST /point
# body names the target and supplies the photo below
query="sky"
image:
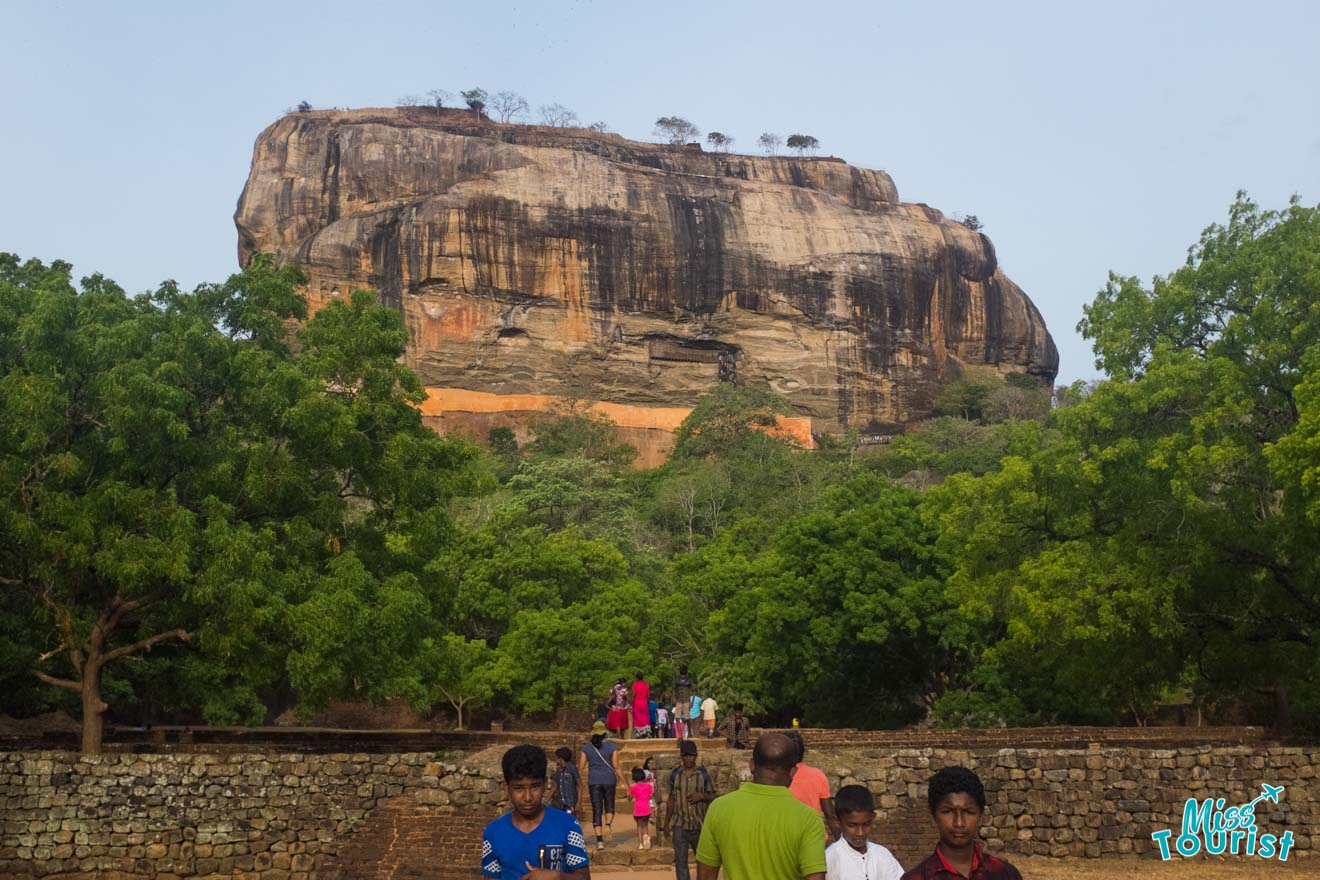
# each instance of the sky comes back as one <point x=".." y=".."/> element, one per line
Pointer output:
<point x="1086" y="137"/>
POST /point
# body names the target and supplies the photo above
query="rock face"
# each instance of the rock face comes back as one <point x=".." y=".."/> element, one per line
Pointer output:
<point x="561" y="262"/>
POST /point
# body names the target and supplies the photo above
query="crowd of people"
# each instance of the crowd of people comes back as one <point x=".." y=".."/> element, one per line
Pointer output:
<point x="640" y="712"/>
<point x="785" y="824"/>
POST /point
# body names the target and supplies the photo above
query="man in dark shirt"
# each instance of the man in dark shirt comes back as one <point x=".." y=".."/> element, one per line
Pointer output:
<point x="683" y="690"/>
<point x="957" y="805"/>
<point x="737" y="731"/>
<point x="690" y="791"/>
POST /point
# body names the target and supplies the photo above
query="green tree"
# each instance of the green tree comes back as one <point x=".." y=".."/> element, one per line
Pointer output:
<point x="459" y="671"/>
<point x="845" y="598"/>
<point x="676" y="130"/>
<point x="719" y="141"/>
<point x="727" y="414"/>
<point x="476" y="99"/>
<point x="576" y="431"/>
<point x="1165" y="531"/>
<point x="175" y="475"/>
<point x="803" y="143"/>
<point x="569" y="656"/>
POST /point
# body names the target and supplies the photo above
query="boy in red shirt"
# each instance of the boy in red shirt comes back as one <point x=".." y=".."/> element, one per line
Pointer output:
<point x="957" y="805"/>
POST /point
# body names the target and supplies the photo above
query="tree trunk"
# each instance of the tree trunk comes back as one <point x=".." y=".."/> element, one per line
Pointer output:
<point x="93" y="708"/>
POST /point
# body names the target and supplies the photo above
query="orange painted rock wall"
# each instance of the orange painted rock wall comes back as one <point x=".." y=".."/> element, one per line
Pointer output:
<point x="649" y="429"/>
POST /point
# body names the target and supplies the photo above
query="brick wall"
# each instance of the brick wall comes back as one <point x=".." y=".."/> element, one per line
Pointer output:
<point x="362" y="817"/>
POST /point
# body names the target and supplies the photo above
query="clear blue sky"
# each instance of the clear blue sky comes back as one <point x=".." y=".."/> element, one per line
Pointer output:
<point x="1089" y="140"/>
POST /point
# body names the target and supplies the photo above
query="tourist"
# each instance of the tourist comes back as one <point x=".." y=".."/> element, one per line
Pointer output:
<point x="679" y="716"/>
<point x="690" y="791"/>
<point x="694" y="715"/>
<point x="854" y="856"/>
<point x="648" y="767"/>
<point x="662" y="718"/>
<point x="654" y="711"/>
<point x="760" y="831"/>
<point x="640" y="792"/>
<point x="683" y="686"/>
<point x="641" y="702"/>
<point x="567" y="784"/>
<point x="812" y="788"/>
<point x="617" y="722"/>
<point x="956" y="800"/>
<point x="737" y="730"/>
<point x="599" y="762"/>
<point x="708" y="709"/>
<point x="531" y="841"/>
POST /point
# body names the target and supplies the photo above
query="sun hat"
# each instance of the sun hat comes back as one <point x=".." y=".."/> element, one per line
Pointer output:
<point x="599" y="729"/>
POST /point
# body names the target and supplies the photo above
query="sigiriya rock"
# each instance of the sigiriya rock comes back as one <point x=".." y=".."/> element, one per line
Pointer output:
<point x="532" y="264"/>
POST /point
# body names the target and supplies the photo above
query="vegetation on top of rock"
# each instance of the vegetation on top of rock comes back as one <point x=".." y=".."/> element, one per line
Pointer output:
<point x="476" y="99"/>
<point x="558" y="115"/>
<point x="719" y="141"/>
<point x="803" y="143"/>
<point x="676" y="130"/>
<point x="509" y="106"/>
<point x="770" y="142"/>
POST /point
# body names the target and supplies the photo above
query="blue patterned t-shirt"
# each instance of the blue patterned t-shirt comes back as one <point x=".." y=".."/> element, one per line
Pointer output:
<point x="556" y="843"/>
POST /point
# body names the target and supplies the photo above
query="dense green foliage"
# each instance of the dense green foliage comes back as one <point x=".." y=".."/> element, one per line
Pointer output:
<point x="272" y="498"/>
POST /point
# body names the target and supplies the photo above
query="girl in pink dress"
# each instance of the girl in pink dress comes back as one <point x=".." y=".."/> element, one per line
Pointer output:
<point x="640" y="792"/>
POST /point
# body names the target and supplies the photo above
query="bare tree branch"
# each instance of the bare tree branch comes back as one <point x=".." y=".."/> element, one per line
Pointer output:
<point x="58" y="682"/>
<point x="146" y="644"/>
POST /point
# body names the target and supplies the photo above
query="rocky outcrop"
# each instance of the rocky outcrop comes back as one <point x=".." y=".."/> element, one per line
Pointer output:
<point x="561" y="262"/>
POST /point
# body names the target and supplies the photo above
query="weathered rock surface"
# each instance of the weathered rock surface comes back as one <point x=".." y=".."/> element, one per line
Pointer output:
<point x="529" y="260"/>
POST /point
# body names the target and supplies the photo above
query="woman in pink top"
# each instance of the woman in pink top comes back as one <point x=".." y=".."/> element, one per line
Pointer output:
<point x="641" y="708"/>
<point x="640" y="792"/>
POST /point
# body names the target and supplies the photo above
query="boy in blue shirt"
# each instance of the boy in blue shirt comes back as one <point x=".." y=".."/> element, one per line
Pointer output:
<point x="531" y="842"/>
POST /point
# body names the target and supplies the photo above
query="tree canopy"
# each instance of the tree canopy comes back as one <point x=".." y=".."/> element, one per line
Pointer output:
<point x="217" y="505"/>
<point x="174" y="473"/>
<point x="676" y="130"/>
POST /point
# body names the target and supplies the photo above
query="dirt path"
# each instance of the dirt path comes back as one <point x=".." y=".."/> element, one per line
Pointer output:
<point x="1100" y="869"/>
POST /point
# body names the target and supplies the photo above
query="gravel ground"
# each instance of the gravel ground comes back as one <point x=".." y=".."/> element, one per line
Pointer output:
<point x="1103" y="869"/>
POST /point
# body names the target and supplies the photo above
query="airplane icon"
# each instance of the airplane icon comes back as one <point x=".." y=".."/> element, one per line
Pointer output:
<point x="1269" y="793"/>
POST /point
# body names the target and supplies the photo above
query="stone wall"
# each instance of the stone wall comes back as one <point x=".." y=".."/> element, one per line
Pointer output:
<point x="299" y="817"/>
<point x="258" y="817"/>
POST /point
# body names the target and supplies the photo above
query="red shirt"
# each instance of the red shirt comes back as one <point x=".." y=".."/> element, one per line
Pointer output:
<point x="984" y="867"/>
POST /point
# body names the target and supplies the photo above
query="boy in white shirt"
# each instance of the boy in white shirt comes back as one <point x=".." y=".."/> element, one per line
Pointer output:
<point x="708" y="709"/>
<point x="853" y="856"/>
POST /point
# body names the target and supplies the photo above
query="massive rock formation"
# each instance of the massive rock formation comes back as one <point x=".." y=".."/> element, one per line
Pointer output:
<point x="561" y="262"/>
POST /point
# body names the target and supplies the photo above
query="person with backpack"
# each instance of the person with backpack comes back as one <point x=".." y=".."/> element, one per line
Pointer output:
<point x="690" y="792"/>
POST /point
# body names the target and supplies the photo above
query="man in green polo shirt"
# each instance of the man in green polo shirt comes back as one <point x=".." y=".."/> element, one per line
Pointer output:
<point x="760" y="831"/>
